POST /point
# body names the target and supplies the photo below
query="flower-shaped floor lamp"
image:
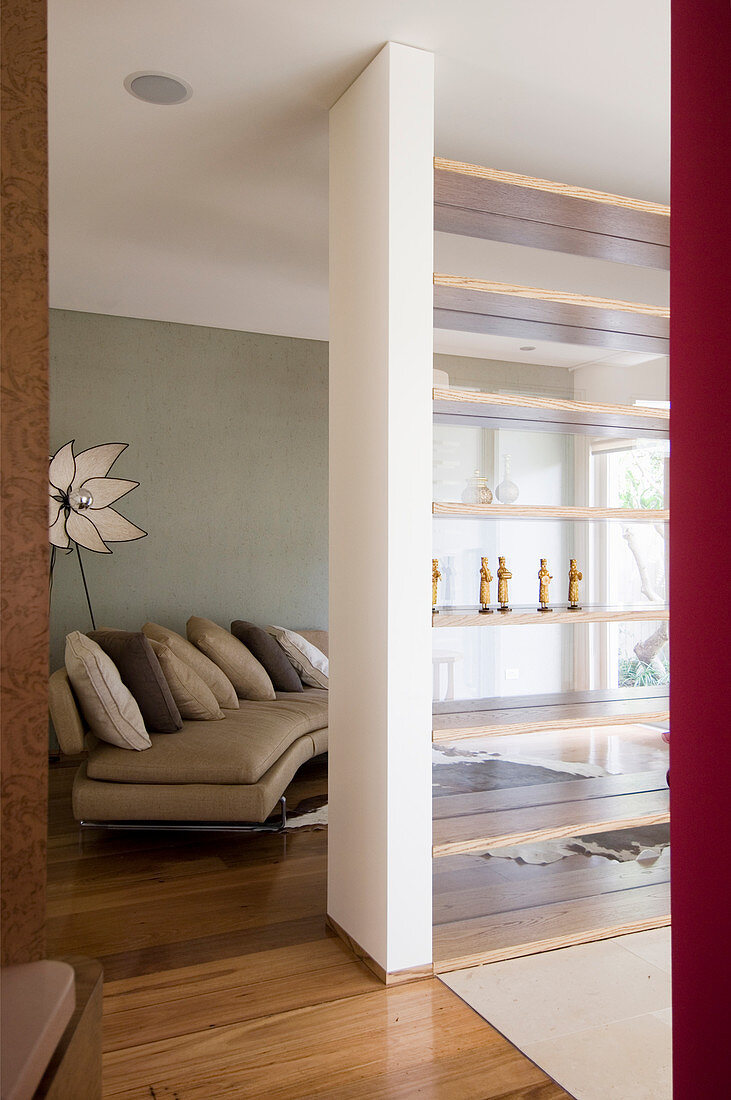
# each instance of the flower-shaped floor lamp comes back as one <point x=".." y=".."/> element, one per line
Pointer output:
<point x="79" y="499"/>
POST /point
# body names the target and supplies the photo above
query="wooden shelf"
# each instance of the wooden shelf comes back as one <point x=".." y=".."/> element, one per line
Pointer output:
<point x="503" y="206"/>
<point x="530" y="823"/>
<point x="506" y="309"/>
<point x="503" y="722"/>
<point x="480" y="916"/>
<point x="548" y="414"/>
<point x="528" y="615"/>
<point x="548" y="511"/>
<point x="548" y="927"/>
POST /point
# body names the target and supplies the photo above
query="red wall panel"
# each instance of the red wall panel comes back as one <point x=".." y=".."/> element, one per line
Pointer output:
<point x="700" y="548"/>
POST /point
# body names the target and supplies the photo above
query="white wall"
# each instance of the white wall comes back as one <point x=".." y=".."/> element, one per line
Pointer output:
<point x="381" y="216"/>
<point x="617" y="385"/>
<point x="514" y="263"/>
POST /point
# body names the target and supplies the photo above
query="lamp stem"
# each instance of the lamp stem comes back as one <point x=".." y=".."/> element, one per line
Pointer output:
<point x="83" y="577"/>
<point x="50" y="576"/>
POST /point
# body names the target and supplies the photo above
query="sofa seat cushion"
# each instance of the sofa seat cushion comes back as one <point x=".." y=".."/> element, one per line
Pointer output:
<point x="238" y="750"/>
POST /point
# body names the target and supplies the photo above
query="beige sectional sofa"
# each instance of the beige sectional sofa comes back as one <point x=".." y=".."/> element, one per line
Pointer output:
<point x="233" y="771"/>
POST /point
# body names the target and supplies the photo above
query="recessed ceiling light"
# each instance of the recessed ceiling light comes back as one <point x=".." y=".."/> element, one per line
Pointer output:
<point x="529" y="347"/>
<point x="159" y="88"/>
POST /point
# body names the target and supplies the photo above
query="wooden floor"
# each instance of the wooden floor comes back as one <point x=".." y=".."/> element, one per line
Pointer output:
<point x="494" y="722"/>
<point x="484" y="821"/>
<point x="221" y="979"/>
<point x="488" y="908"/>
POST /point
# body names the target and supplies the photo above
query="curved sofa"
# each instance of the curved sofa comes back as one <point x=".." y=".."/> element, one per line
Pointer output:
<point x="233" y="771"/>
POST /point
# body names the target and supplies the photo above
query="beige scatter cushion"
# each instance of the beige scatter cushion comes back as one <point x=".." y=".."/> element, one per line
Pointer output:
<point x="107" y="705"/>
<point x="193" y="698"/>
<point x="247" y="675"/>
<point x="210" y="673"/>
<point x="310" y="662"/>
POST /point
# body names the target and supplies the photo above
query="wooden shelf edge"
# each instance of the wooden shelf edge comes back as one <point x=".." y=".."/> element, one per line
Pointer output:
<point x="514" y="840"/>
<point x="465" y="733"/>
<point x="535" y="184"/>
<point x="446" y="620"/>
<point x="554" y="404"/>
<point x="541" y="294"/>
<point x="475" y="201"/>
<point x="477" y="958"/>
<point x="545" y="511"/>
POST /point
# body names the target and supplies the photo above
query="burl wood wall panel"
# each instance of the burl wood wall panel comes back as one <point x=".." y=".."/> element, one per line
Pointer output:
<point x="23" y="513"/>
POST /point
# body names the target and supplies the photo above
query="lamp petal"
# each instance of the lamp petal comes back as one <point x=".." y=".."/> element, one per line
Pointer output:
<point x="105" y="490"/>
<point x="83" y="531"/>
<point x="96" y="461"/>
<point x="62" y="468"/>
<point x="113" y="527"/>
<point x="57" y="533"/>
<point x="54" y="507"/>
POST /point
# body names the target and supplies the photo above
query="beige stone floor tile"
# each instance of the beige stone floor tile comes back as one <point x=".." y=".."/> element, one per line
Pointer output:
<point x="653" y="946"/>
<point x="666" y="1015"/>
<point x="625" y="1060"/>
<point x="545" y="996"/>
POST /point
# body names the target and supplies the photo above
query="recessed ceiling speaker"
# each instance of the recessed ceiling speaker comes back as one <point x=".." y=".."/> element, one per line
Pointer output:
<point x="158" y="88"/>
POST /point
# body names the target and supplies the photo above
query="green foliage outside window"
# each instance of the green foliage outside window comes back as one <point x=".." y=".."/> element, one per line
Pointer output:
<point x="633" y="673"/>
<point x="643" y="483"/>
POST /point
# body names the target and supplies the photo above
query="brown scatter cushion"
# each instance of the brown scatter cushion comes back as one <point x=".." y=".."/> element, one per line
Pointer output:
<point x="269" y="653"/>
<point x="247" y="675"/>
<point x="209" y="672"/>
<point x="194" y="699"/>
<point x="141" y="673"/>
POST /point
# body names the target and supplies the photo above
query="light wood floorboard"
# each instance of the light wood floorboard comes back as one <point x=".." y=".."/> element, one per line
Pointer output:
<point x="507" y="828"/>
<point x="545" y="794"/>
<point x="468" y="896"/>
<point x="506" y="722"/>
<point x="222" y="980"/>
<point x="548" y="927"/>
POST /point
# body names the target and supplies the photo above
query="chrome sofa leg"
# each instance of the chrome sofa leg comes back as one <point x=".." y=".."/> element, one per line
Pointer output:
<point x="194" y="826"/>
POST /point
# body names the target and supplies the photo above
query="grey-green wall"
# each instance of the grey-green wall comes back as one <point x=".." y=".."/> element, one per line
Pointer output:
<point x="534" y="378"/>
<point x="228" y="437"/>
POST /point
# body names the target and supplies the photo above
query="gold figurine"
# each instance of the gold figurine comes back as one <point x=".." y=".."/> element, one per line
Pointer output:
<point x="574" y="577"/>
<point x="436" y="576"/>
<point x="544" y="579"/>
<point x="486" y="579"/>
<point x="503" y="576"/>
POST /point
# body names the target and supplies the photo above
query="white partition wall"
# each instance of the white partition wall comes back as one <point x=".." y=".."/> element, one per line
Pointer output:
<point x="381" y="233"/>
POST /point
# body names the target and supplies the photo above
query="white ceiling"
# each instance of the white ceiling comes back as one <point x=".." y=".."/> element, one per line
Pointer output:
<point x="214" y="212"/>
<point x="547" y="353"/>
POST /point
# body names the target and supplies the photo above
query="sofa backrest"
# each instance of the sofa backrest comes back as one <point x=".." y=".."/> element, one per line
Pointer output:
<point x="65" y="714"/>
<point x="318" y="638"/>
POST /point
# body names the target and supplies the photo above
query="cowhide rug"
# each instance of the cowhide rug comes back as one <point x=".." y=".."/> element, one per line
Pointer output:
<point x="311" y="813"/>
<point x="645" y="845"/>
<point x="463" y="768"/>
